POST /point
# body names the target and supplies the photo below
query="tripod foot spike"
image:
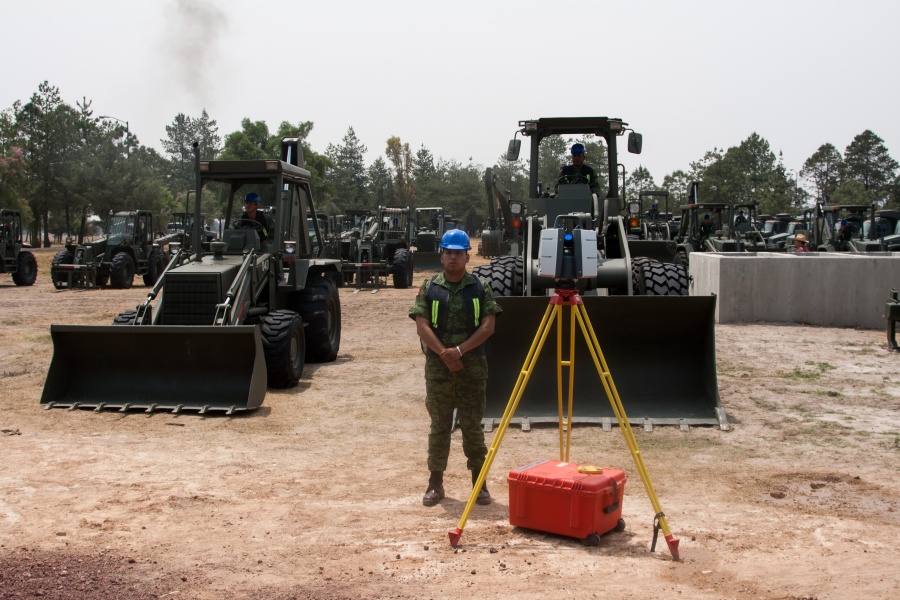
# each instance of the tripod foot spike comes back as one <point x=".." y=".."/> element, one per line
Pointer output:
<point x="673" y="546"/>
<point x="455" y="535"/>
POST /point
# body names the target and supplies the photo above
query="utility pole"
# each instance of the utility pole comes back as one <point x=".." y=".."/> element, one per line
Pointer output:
<point x="127" y="134"/>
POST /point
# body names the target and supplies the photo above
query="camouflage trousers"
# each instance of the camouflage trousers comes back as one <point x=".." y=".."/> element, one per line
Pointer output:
<point x="467" y="396"/>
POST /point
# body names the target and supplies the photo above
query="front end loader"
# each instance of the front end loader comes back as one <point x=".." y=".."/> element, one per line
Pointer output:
<point x="379" y="249"/>
<point x="658" y="340"/>
<point x="127" y="249"/>
<point x="225" y="320"/>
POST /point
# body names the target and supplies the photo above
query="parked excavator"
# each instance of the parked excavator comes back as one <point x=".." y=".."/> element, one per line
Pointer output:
<point x="658" y="341"/>
<point x="225" y="319"/>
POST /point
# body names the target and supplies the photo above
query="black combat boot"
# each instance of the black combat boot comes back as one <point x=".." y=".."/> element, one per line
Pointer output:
<point x="484" y="496"/>
<point x="435" y="491"/>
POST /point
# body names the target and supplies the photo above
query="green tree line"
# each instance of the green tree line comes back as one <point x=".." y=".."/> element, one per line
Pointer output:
<point x="60" y="164"/>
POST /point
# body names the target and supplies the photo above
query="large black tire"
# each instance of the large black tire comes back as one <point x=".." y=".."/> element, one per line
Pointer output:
<point x="121" y="274"/>
<point x="637" y="274"/>
<point x="681" y="258"/>
<point x="26" y="269"/>
<point x="320" y="308"/>
<point x="283" y="346"/>
<point x="518" y="276"/>
<point x="517" y="266"/>
<point x="63" y="257"/>
<point x="154" y="268"/>
<point x="661" y="279"/>
<point x="498" y="277"/>
<point x="402" y="268"/>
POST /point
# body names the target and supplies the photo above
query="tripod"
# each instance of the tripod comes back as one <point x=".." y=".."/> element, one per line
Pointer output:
<point x="562" y="297"/>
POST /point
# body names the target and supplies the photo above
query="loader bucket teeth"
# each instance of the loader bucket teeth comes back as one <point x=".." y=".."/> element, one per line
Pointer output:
<point x="166" y="368"/>
<point x="660" y="351"/>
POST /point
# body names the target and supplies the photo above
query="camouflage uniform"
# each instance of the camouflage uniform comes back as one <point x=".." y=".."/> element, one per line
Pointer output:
<point x="585" y="171"/>
<point x="463" y="390"/>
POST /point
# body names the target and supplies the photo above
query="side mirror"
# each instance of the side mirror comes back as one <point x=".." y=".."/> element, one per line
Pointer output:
<point x="635" y="142"/>
<point x="512" y="151"/>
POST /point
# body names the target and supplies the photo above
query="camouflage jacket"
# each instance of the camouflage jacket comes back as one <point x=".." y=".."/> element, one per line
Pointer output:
<point x="474" y="363"/>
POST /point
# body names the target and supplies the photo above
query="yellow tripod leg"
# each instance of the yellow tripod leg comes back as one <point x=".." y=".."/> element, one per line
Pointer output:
<point x="571" y="420"/>
<point x="616" y="403"/>
<point x="565" y="424"/>
<point x="524" y="375"/>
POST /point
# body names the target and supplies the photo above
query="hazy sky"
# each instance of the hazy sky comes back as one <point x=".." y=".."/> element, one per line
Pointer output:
<point x="457" y="76"/>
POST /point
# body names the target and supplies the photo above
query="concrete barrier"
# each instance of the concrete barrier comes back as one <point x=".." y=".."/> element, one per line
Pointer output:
<point x="817" y="288"/>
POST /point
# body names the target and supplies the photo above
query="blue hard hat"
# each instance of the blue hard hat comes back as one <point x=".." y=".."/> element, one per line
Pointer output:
<point x="653" y="205"/>
<point x="578" y="149"/>
<point x="252" y="197"/>
<point x="705" y="216"/>
<point x="455" y="239"/>
<point x="843" y="221"/>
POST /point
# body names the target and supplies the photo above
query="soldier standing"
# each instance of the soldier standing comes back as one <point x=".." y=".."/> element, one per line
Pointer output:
<point x="455" y="313"/>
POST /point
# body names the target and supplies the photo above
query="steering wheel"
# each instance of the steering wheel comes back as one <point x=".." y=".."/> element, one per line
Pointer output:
<point x="564" y="179"/>
<point x="240" y="223"/>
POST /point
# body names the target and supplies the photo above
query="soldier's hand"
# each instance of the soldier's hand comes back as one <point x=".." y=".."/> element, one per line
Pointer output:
<point x="451" y="355"/>
<point x="455" y="365"/>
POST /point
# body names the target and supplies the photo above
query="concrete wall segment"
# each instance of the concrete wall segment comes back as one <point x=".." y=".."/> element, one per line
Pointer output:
<point x="819" y="288"/>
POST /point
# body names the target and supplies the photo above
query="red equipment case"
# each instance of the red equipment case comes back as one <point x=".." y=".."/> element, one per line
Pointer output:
<point x="556" y="497"/>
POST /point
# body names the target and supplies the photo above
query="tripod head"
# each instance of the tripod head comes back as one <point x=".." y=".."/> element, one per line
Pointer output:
<point x="568" y="252"/>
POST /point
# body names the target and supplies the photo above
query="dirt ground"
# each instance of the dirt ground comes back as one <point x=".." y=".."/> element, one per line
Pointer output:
<point x="318" y="493"/>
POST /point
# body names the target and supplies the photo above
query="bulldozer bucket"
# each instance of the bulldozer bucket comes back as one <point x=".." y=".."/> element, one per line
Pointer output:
<point x="156" y="367"/>
<point x="660" y="351"/>
<point x="427" y="261"/>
